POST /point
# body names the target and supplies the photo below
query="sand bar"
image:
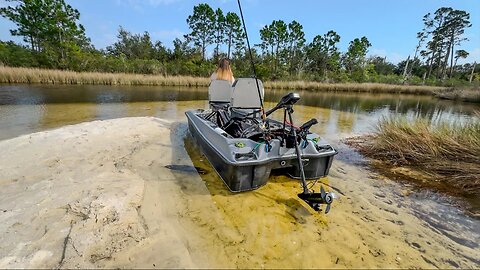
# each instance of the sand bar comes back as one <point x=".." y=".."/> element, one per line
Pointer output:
<point x="72" y="197"/>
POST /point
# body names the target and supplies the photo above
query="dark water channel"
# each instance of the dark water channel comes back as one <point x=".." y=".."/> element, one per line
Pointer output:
<point x="376" y="222"/>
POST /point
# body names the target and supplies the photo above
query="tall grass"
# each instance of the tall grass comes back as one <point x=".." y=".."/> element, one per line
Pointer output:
<point x="355" y="87"/>
<point x="47" y="76"/>
<point x="469" y="95"/>
<point x="448" y="152"/>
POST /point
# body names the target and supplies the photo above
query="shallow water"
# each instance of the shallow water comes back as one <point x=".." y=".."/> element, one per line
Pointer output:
<point x="376" y="222"/>
<point x="30" y="108"/>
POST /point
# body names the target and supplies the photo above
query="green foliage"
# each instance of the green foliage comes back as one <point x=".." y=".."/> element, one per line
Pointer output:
<point x="50" y="27"/>
<point x="235" y="36"/>
<point x="202" y="23"/>
<point x="220" y="30"/>
<point x="29" y="18"/>
<point x="15" y="55"/>
<point x="296" y="43"/>
<point x="283" y="48"/>
<point x="354" y="59"/>
<point x="56" y="40"/>
<point x="323" y="55"/>
<point x="137" y="46"/>
<point x="446" y="28"/>
<point x="381" y="65"/>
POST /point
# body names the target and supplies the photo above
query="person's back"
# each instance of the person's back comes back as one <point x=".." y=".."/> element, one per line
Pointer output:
<point x="223" y="72"/>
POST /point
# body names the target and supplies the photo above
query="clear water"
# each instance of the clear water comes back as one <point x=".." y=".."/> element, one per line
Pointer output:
<point x="376" y="222"/>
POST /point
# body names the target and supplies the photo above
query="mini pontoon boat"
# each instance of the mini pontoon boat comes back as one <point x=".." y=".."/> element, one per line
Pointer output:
<point x="244" y="145"/>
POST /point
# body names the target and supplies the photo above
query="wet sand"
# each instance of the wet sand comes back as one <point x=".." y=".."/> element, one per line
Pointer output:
<point x="98" y="194"/>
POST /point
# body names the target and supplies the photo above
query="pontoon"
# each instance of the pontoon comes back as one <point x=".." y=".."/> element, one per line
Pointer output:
<point x="245" y="146"/>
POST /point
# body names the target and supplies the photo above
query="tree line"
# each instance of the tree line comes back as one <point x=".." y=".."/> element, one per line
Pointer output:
<point x="54" y="38"/>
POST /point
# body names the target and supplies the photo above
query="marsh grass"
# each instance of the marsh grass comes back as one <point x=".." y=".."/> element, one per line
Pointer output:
<point x="355" y="87"/>
<point x="469" y="95"/>
<point x="447" y="152"/>
<point x="47" y="76"/>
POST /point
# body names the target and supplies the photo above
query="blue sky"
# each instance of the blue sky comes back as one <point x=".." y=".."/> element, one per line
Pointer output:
<point x="391" y="26"/>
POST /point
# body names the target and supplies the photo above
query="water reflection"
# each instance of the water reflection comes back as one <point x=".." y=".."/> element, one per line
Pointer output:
<point x="99" y="94"/>
<point x="345" y="122"/>
<point x="29" y="108"/>
<point x="424" y="106"/>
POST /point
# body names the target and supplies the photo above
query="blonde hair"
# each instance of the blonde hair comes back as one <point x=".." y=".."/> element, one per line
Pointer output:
<point x="224" y="72"/>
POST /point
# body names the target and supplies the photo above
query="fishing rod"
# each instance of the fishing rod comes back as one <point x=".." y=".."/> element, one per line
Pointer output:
<point x="313" y="199"/>
<point x="264" y="116"/>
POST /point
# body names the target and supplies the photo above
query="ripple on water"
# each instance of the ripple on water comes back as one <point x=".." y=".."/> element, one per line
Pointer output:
<point x="6" y="99"/>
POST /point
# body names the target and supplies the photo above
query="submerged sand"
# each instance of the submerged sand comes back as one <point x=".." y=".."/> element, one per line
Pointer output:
<point x="98" y="194"/>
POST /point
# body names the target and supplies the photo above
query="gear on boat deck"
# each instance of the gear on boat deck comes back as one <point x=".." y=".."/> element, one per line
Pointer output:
<point x="244" y="148"/>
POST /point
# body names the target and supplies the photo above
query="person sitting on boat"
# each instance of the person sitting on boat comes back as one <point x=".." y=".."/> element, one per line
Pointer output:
<point x="223" y="72"/>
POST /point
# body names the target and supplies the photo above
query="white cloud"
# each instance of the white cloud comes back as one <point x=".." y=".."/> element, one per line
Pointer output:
<point x="145" y="3"/>
<point x="167" y="36"/>
<point x="391" y="56"/>
<point x="161" y="2"/>
<point x="140" y="5"/>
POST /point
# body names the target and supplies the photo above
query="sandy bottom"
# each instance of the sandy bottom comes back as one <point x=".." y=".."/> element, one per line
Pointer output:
<point x="98" y="194"/>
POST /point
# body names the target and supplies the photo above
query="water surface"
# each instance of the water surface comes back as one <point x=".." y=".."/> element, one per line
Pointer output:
<point x="376" y="222"/>
<point x="29" y="108"/>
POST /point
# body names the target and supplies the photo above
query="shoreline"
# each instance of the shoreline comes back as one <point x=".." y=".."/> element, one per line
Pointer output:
<point x="75" y="197"/>
<point x="11" y="75"/>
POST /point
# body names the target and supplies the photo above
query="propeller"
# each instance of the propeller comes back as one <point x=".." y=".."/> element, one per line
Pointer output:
<point x="316" y="199"/>
<point x="327" y="199"/>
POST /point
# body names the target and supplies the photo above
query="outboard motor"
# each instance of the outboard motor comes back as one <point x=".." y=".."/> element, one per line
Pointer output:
<point x="292" y="139"/>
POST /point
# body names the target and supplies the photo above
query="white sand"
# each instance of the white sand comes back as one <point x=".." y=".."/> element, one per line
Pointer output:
<point x="79" y="196"/>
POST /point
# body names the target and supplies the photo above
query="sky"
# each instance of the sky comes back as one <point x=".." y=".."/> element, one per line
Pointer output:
<point x="389" y="25"/>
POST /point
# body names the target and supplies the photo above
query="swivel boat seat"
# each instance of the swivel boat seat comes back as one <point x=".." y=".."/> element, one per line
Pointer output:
<point x="245" y="100"/>
<point x="219" y="94"/>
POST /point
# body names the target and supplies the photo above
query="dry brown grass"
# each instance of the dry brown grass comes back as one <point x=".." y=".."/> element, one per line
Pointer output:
<point x="449" y="153"/>
<point x="47" y="76"/>
<point x="355" y="87"/>
<point x="469" y="95"/>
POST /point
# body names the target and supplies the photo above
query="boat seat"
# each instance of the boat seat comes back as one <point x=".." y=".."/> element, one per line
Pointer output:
<point x="220" y="93"/>
<point x="245" y="99"/>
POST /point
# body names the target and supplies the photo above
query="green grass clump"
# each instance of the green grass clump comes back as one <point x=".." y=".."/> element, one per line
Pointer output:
<point x="448" y="152"/>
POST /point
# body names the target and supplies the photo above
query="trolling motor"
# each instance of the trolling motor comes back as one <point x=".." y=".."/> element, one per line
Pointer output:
<point x="312" y="198"/>
<point x="287" y="100"/>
